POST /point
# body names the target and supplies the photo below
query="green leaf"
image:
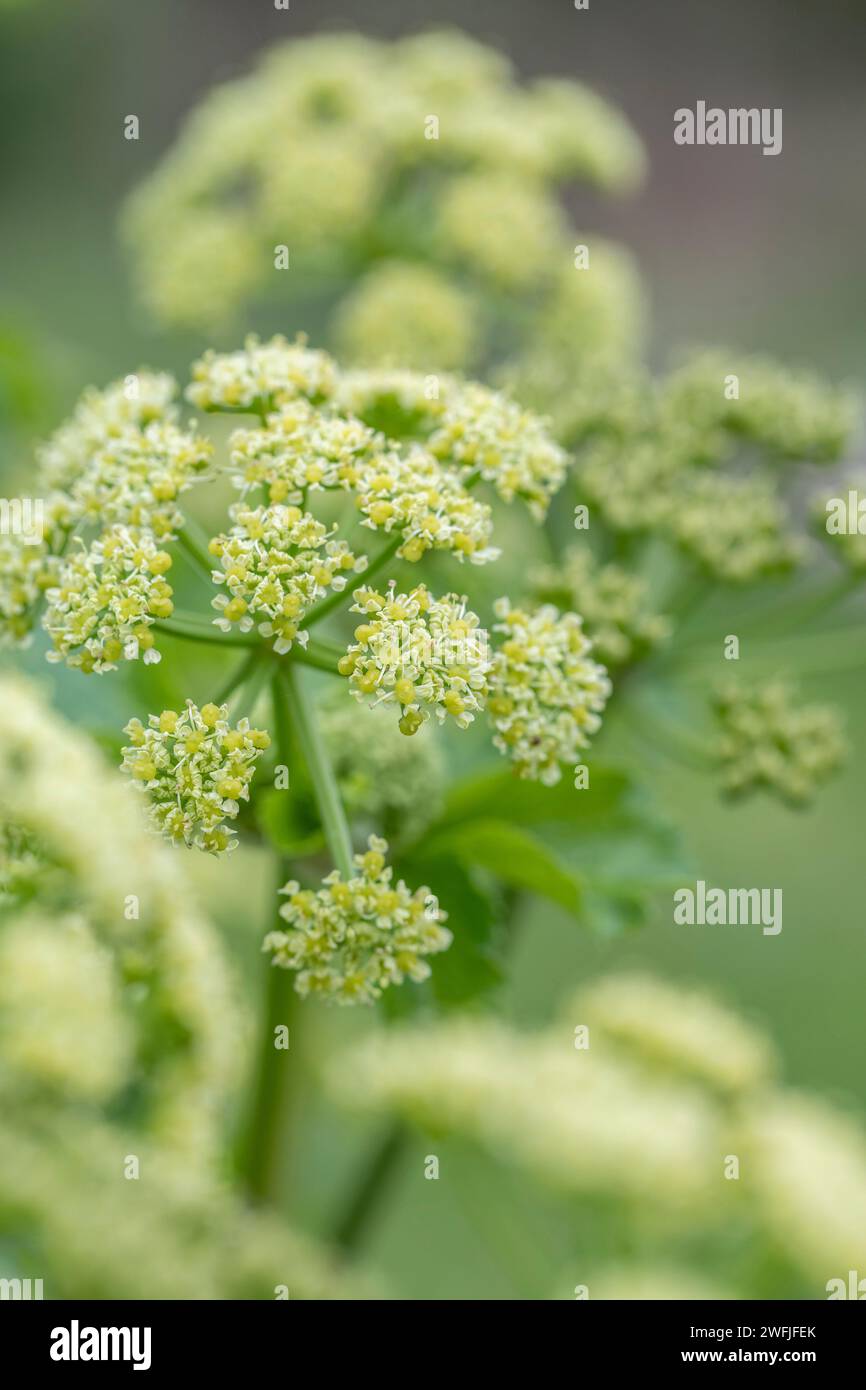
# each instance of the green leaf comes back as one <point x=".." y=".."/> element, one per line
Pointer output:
<point x="472" y="965"/>
<point x="276" y="816"/>
<point x="503" y="795"/>
<point x="515" y="857"/>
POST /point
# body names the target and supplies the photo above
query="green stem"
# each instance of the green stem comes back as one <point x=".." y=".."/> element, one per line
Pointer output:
<point x="368" y="1191"/>
<point x="799" y="615"/>
<point x="238" y="678"/>
<point x="192" y="628"/>
<point x="193" y="540"/>
<point x="262" y="1148"/>
<point x="334" y="600"/>
<point x="367" y="1195"/>
<point x="325" y="789"/>
<point x="322" y="655"/>
<point x="260" y="1155"/>
<point x="245" y="686"/>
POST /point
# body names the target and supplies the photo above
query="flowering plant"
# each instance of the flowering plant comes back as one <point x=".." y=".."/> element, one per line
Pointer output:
<point x="420" y="745"/>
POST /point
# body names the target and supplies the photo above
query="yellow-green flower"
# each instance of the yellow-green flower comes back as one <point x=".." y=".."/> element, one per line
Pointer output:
<point x="136" y="477"/>
<point x="261" y="376"/>
<point x="276" y="562"/>
<point x="424" y="655"/>
<point x="407" y="314"/>
<point x="350" y="940"/>
<point x="195" y="768"/>
<point x="301" y="448"/>
<point x="612" y="603"/>
<point x="29" y="566"/>
<point x="488" y="435"/>
<point x="106" y="599"/>
<point x="132" y="403"/>
<point x="766" y="740"/>
<point x="344" y="150"/>
<point x="546" y="694"/>
<point x="505" y="228"/>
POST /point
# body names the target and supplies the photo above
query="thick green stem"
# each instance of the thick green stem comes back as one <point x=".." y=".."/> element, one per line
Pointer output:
<point x="325" y="788"/>
<point x="260" y="1155"/>
<point x="367" y="1195"/>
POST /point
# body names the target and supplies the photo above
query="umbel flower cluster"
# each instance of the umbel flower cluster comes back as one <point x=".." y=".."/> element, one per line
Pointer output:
<point x="637" y="1105"/>
<point x="353" y="938"/>
<point x="276" y="562"/>
<point x="766" y="740"/>
<point x="614" y="604"/>
<point x="422" y="169"/>
<point x="111" y="479"/>
<point x="398" y="458"/>
<point x="413" y="457"/>
<point x="546" y="693"/>
<point x="702" y="458"/>
<point x="195" y="768"/>
<point x="419" y="653"/>
<point x="121" y="1036"/>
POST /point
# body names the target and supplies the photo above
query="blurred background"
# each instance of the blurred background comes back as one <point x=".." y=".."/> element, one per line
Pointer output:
<point x="760" y="253"/>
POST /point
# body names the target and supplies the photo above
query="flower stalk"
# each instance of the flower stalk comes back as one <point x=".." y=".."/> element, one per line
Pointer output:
<point x="325" y="789"/>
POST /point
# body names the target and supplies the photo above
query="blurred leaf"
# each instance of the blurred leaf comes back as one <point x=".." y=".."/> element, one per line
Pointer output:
<point x="471" y="965"/>
<point x="515" y="857"/>
<point x="625" y="869"/>
<point x="611" y="914"/>
<point x="278" y="819"/>
<point x="502" y="794"/>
